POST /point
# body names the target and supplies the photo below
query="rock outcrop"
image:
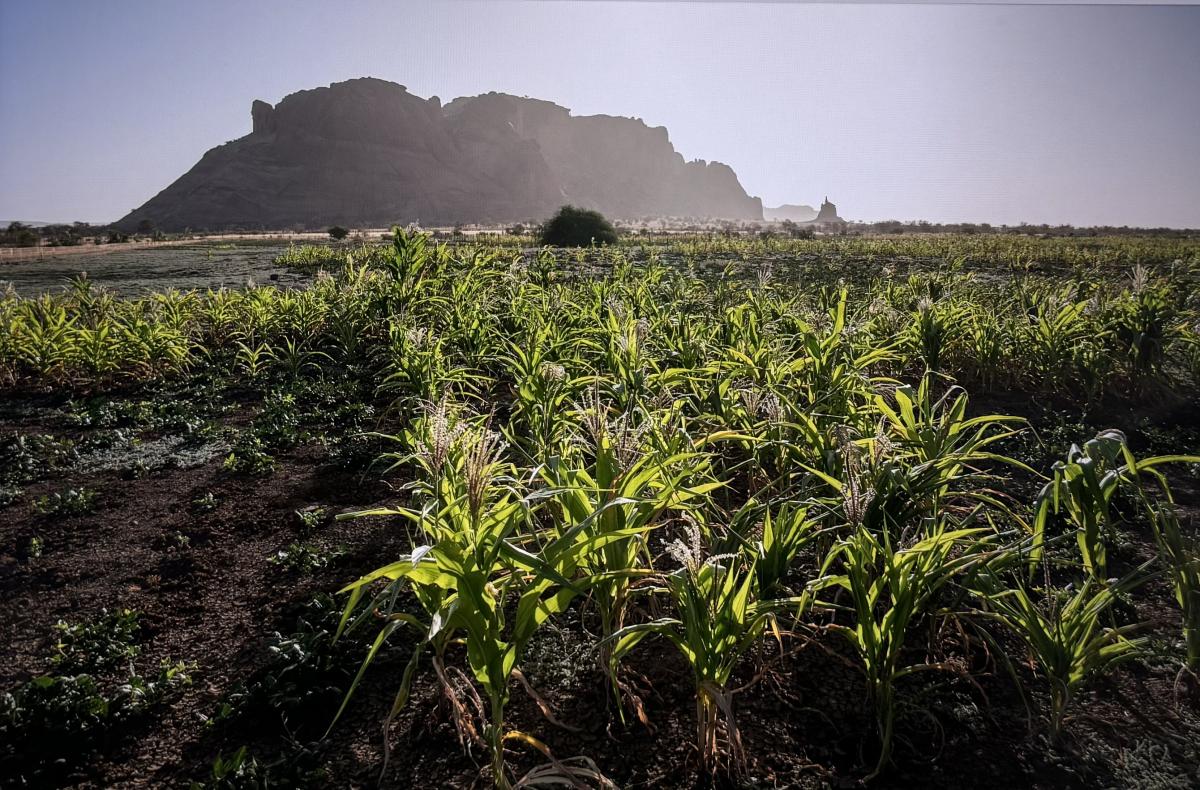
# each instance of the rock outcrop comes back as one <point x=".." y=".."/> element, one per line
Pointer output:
<point x="828" y="213"/>
<point x="366" y="152"/>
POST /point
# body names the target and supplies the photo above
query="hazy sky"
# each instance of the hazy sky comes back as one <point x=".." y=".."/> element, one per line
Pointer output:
<point x="1003" y="114"/>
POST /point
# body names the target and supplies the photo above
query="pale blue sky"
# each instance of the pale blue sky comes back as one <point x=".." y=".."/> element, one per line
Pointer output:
<point x="1003" y="114"/>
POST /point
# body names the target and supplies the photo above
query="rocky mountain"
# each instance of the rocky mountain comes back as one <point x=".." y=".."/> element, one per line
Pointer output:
<point x="801" y="213"/>
<point x="828" y="213"/>
<point x="367" y="153"/>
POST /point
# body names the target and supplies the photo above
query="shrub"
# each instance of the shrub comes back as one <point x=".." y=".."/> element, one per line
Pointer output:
<point x="337" y="233"/>
<point x="577" y="227"/>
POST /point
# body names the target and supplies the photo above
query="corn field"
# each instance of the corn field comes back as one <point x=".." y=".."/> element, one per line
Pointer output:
<point x="726" y="451"/>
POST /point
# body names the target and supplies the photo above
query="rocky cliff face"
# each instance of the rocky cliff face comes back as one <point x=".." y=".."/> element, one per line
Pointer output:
<point x="367" y="152"/>
<point x="618" y="166"/>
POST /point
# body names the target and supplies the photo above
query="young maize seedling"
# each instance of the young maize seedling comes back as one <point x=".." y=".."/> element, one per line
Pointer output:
<point x="1068" y="641"/>
<point x="892" y="589"/>
<point x="718" y="621"/>
<point x="1083" y="489"/>
<point x="771" y="547"/>
<point x="1180" y="553"/>
<point x="620" y="499"/>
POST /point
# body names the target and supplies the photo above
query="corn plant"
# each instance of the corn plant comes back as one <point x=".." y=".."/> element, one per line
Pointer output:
<point x="987" y="347"/>
<point x="838" y="372"/>
<point x="418" y="367"/>
<point x="252" y="359"/>
<point x="771" y="546"/>
<point x="924" y="462"/>
<point x="477" y="553"/>
<point x="294" y="359"/>
<point x="1180" y="554"/>
<point x="540" y="419"/>
<point x="99" y="352"/>
<point x="413" y="269"/>
<point x="939" y="433"/>
<point x="1067" y="639"/>
<point x="891" y="590"/>
<point x="44" y="337"/>
<point x="622" y="496"/>
<point x="627" y="363"/>
<point x="1144" y="328"/>
<point x="1057" y="330"/>
<point x="934" y="327"/>
<point x="718" y="620"/>
<point x="1082" y="492"/>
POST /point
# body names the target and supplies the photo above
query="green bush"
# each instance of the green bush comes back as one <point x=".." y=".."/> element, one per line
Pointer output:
<point x="337" y="233"/>
<point x="577" y="227"/>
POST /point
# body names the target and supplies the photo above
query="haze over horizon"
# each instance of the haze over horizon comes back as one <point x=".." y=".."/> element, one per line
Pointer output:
<point x="1087" y="115"/>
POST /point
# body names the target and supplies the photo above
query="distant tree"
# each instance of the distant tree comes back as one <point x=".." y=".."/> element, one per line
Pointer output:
<point x="517" y="230"/>
<point x="145" y="227"/>
<point x="337" y="233"/>
<point x="19" y="235"/>
<point x="794" y="230"/>
<point x="60" y="235"/>
<point x="577" y="227"/>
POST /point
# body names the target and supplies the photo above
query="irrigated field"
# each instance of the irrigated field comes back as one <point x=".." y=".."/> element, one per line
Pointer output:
<point x="915" y="511"/>
<point x="133" y="270"/>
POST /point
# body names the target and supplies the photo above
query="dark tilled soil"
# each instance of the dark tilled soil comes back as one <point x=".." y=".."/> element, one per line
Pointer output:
<point x="803" y="715"/>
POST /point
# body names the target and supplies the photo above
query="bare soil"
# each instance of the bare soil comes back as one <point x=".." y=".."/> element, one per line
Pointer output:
<point x="803" y="715"/>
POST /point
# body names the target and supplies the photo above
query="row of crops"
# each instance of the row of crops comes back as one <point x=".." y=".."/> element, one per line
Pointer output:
<point x="728" y="457"/>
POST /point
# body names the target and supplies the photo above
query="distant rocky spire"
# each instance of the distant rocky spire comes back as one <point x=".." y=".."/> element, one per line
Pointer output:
<point x="828" y="212"/>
